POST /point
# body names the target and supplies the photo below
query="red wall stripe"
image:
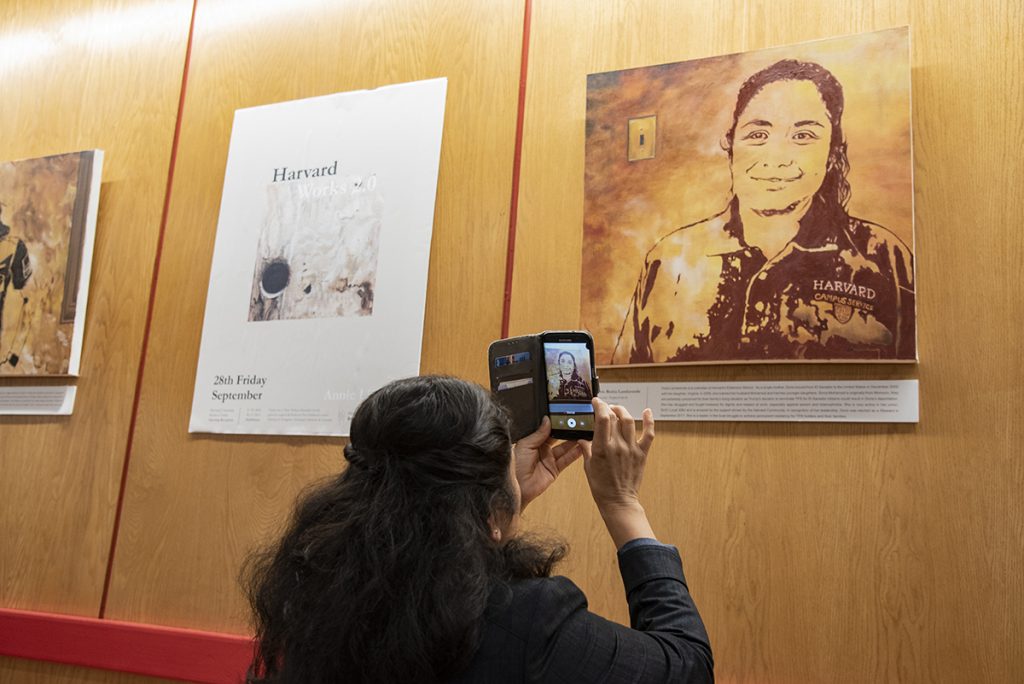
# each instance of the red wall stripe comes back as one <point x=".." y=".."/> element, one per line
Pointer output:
<point x="149" y="318"/>
<point x="126" y="647"/>
<point x="517" y="158"/>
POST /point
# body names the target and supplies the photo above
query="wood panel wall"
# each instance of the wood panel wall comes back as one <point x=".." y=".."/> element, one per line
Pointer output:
<point x="78" y="75"/>
<point x="816" y="553"/>
<point x="17" y="671"/>
<point x="211" y="499"/>
<point x="84" y="74"/>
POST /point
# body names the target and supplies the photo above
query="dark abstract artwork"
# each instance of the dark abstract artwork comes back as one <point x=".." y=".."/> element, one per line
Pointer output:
<point x="317" y="253"/>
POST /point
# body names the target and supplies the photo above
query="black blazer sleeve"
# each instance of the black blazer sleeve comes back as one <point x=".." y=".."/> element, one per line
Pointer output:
<point x="668" y="642"/>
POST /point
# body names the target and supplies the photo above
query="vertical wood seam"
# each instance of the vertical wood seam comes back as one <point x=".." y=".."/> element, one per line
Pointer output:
<point x="149" y="318"/>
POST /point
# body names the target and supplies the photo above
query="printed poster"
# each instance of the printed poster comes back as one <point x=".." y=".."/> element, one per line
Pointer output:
<point x="48" y="208"/>
<point x="319" y="275"/>
<point x="755" y="207"/>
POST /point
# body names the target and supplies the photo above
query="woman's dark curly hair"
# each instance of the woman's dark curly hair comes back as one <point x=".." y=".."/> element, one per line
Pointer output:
<point x="385" y="570"/>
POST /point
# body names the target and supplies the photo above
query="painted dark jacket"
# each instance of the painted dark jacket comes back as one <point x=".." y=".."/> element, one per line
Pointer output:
<point x="843" y="288"/>
<point x="573" y="388"/>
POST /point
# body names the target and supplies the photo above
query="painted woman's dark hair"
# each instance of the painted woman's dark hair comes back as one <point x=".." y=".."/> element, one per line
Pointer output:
<point x="385" y="570"/>
<point x="835" y="189"/>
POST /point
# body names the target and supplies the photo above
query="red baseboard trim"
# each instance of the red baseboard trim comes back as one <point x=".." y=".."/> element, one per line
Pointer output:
<point x="167" y="652"/>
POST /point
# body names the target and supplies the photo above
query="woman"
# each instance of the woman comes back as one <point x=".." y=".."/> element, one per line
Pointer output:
<point x="570" y="385"/>
<point x="407" y="566"/>
<point x="785" y="272"/>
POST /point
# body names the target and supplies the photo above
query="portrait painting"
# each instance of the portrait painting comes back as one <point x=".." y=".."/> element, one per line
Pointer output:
<point x="567" y="366"/>
<point x="754" y="207"/>
<point x="47" y="220"/>
<point x="317" y="252"/>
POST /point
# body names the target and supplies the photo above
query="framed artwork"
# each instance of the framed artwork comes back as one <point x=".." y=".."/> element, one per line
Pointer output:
<point x="755" y="207"/>
<point x="48" y="208"/>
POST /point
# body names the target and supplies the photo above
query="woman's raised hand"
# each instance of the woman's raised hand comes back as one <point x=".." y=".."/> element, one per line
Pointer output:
<point x="614" y="464"/>
<point x="539" y="461"/>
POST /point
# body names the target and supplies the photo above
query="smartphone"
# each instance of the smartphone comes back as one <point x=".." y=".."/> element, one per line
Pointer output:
<point x="547" y="374"/>
<point x="570" y="383"/>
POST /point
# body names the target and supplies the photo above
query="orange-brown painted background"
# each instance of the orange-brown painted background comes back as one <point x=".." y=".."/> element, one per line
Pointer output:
<point x="630" y="205"/>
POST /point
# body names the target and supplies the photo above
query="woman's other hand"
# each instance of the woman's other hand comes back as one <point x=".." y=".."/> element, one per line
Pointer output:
<point x="614" y="464"/>
<point x="539" y="461"/>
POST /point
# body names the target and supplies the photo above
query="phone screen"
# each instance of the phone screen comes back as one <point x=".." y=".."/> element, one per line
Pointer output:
<point x="569" y="378"/>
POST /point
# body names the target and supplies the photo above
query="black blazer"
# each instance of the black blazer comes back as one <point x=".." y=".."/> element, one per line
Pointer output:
<point x="540" y="630"/>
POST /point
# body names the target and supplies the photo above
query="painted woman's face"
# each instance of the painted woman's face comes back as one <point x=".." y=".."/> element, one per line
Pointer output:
<point x="780" y="147"/>
<point x="566" y="365"/>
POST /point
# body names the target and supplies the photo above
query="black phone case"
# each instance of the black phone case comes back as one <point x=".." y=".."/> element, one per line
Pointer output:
<point x="527" y="403"/>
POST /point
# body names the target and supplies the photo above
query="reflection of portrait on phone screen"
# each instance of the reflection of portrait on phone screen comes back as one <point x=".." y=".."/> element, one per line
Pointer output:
<point x="568" y="371"/>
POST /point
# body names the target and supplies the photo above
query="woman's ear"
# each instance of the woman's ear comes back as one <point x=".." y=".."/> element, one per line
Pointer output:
<point x="495" y="529"/>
